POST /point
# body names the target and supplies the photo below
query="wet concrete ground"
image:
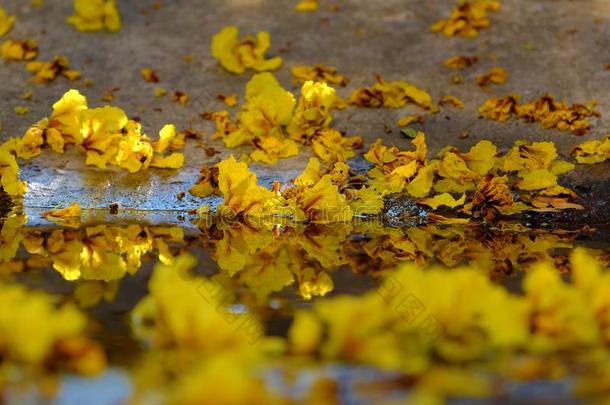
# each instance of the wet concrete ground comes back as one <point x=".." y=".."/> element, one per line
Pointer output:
<point x="558" y="47"/>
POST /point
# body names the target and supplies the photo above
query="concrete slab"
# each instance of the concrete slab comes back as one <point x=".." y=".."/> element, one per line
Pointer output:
<point x="568" y="44"/>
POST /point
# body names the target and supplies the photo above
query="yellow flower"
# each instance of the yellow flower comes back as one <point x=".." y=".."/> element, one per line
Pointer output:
<point x="593" y="151"/>
<point x="6" y="22"/>
<point x="270" y="148"/>
<point x="237" y="55"/>
<point x="21" y="110"/>
<point x="365" y="201"/>
<point x="537" y="179"/>
<point x="482" y="157"/>
<point x="317" y="73"/>
<point x="330" y="145"/>
<point x="481" y="175"/>
<point x="66" y="116"/>
<point x="169" y="138"/>
<point x="180" y="97"/>
<point x="452" y="165"/>
<point x="95" y="15"/>
<point x="73" y="211"/>
<point x="31" y="313"/>
<point x="310" y="175"/>
<point x="394" y="94"/>
<point x="454" y="101"/>
<point x="412" y="314"/>
<point x="323" y="245"/>
<point x="494" y="191"/>
<point x="149" y="75"/>
<point x="323" y="203"/>
<point x="307" y="5"/>
<point x="467" y="18"/>
<point x="45" y="72"/>
<point x="499" y="108"/>
<point x="409" y="119"/>
<point x="394" y="168"/>
<point x="19" y="49"/>
<point x="422" y="183"/>
<point x="207" y="183"/>
<point x="268" y="106"/>
<point x="101" y="131"/>
<point x="223" y="122"/>
<point x="312" y="111"/>
<point x="261" y="121"/>
<point x="230" y="99"/>
<point x="555" y="114"/>
<point x="241" y="192"/>
<point x="9" y="174"/>
<point x="460" y="61"/>
<point x="545" y="110"/>
<point x="443" y="199"/>
<point x="496" y="75"/>
<point x="525" y="156"/>
<point x="172" y="161"/>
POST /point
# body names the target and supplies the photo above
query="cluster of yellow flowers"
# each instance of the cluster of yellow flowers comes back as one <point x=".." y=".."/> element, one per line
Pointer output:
<point x="486" y="181"/>
<point x="545" y="110"/>
<point x="321" y="195"/>
<point x="105" y="134"/>
<point x="274" y="123"/>
<point x="38" y="336"/>
<point x="418" y="320"/>
<point x="394" y="94"/>
<point x="95" y="15"/>
<point x="525" y="179"/>
<point x="237" y="55"/>
<point x="467" y="18"/>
